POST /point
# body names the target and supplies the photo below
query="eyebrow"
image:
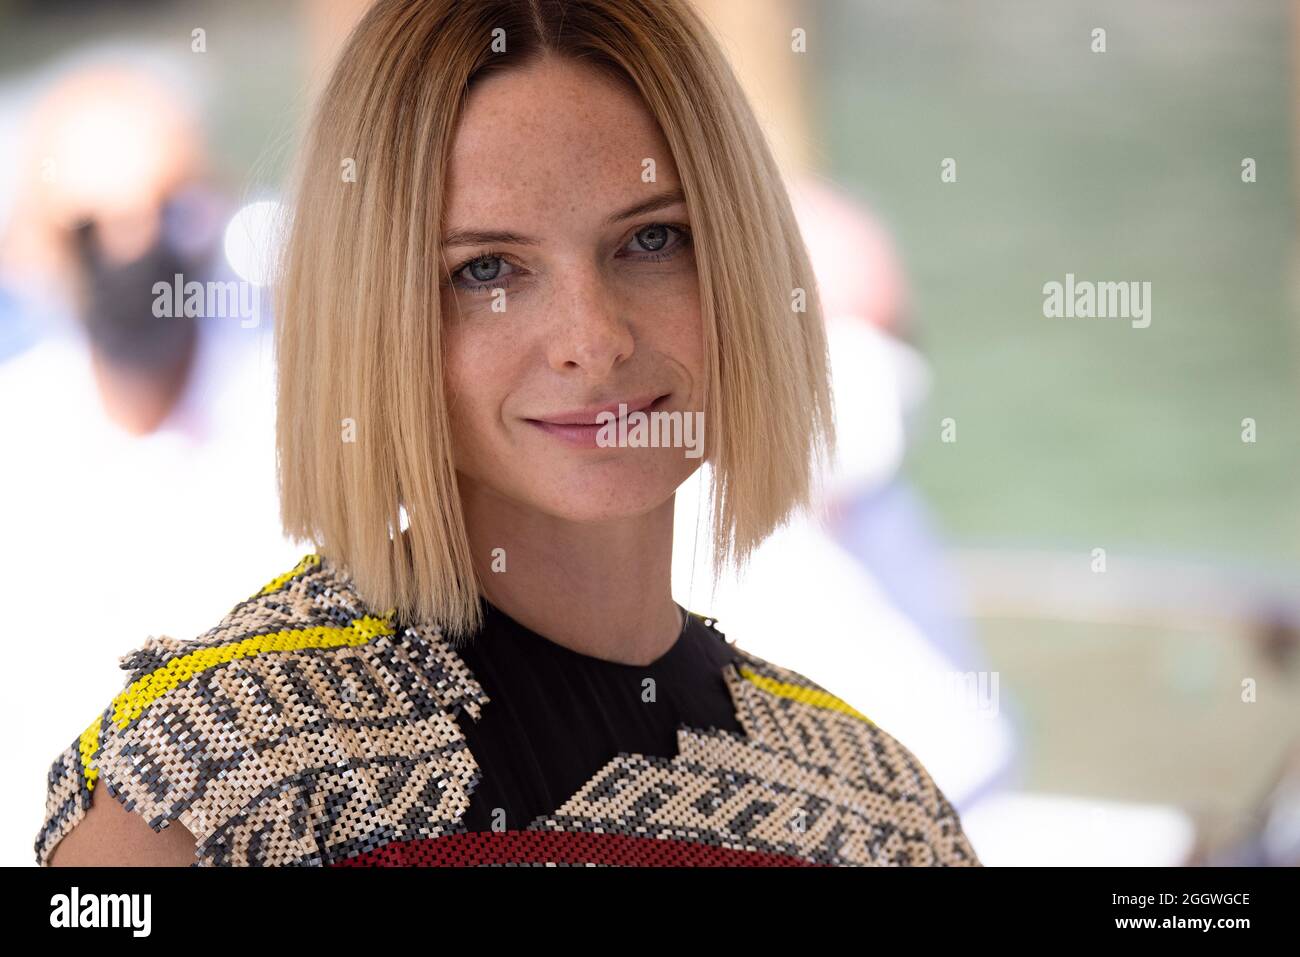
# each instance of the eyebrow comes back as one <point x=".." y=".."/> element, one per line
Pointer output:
<point x="488" y="237"/>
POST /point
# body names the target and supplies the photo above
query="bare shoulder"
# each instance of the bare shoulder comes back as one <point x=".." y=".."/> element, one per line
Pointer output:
<point x="108" y="835"/>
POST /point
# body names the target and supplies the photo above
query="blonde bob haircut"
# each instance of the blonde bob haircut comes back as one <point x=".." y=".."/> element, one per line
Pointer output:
<point x="358" y="310"/>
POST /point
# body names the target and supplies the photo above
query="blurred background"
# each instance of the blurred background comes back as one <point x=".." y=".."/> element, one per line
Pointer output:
<point x="1057" y="557"/>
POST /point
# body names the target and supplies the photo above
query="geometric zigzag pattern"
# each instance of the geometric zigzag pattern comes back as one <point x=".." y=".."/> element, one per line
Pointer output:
<point x="305" y="729"/>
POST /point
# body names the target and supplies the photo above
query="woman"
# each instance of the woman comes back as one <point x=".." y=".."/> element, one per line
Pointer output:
<point x="541" y="267"/>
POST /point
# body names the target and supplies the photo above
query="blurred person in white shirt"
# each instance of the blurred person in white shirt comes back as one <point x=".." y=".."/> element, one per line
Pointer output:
<point x="139" y="492"/>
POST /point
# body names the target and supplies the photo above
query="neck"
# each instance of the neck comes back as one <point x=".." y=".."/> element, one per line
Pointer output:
<point x="603" y="589"/>
<point x="140" y="401"/>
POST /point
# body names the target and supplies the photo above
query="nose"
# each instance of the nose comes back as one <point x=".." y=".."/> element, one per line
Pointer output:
<point x="589" y="333"/>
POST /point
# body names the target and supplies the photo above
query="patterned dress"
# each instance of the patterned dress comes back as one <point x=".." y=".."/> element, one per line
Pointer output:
<point x="306" y="729"/>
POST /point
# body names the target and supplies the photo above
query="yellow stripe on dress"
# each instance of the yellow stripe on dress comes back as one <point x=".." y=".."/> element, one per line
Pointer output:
<point x="280" y="581"/>
<point x="89" y="746"/>
<point x="130" y="703"/>
<point x="820" y="699"/>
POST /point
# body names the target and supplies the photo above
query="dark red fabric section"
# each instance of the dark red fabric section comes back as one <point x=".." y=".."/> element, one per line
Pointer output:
<point x="561" y="847"/>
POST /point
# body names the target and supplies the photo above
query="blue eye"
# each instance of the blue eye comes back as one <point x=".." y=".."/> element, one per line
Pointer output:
<point x="484" y="272"/>
<point x="655" y="240"/>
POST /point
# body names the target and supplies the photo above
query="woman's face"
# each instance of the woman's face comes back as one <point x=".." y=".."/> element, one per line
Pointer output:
<point x="575" y="305"/>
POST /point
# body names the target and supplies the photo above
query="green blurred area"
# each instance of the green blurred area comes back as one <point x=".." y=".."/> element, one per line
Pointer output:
<point x="1146" y="714"/>
<point x="1115" y="166"/>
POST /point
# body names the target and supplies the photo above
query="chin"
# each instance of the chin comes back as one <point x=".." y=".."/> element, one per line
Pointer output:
<point x="605" y="491"/>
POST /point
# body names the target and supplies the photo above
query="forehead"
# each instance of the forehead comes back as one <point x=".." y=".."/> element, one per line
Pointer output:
<point x="545" y="137"/>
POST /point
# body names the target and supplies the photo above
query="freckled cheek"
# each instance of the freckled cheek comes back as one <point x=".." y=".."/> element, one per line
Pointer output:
<point x="477" y="377"/>
<point x="673" y="327"/>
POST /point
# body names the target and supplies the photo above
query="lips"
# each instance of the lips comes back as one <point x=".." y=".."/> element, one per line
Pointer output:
<point x="578" y="428"/>
<point x="587" y="416"/>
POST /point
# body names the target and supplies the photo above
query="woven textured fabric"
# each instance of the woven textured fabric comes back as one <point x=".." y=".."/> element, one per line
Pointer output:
<point x="306" y="729"/>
